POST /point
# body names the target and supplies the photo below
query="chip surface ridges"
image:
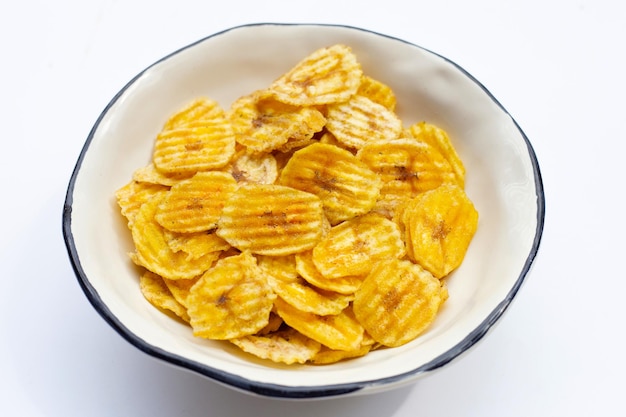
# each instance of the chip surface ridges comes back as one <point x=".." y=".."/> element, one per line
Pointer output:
<point x="346" y="186"/>
<point x="271" y="219"/>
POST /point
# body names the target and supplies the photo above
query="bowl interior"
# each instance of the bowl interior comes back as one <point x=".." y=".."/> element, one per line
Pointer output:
<point x="502" y="180"/>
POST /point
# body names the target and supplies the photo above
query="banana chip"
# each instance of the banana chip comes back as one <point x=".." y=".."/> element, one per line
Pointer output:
<point x="158" y="294"/>
<point x="271" y="219"/>
<point x="361" y="120"/>
<point x="195" y="205"/>
<point x="133" y="195"/>
<point x="200" y="109"/>
<point x="346" y="186"/>
<point x="307" y="269"/>
<point x="259" y="168"/>
<point x="377" y="92"/>
<point x="232" y="299"/>
<point x="286" y="346"/>
<point x="397" y="301"/>
<point x="310" y="299"/>
<point x="195" y="245"/>
<point x="199" y="146"/>
<point x="327" y="356"/>
<point x="439" y="226"/>
<point x="328" y="75"/>
<point x="180" y="289"/>
<point x="339" y="332"/>
<point x="354" y="246"/>
<point x="151" y="175"/>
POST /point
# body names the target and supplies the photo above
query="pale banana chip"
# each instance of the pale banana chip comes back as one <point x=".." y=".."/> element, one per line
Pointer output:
<point x="346" y="186"/>
<point x="360" y="120"/>
<point x="158" y="294"/>
<point x="180" y="288"/>
<point x="328" y="75"/>
<point x="195" y="204"/>
<point x="286" y="346"/>
<point x="200" y="109"/>
<point x="232" y="299"/>
<point x="354" y="246"/>
<point x="260" y="168"/>
<point x="397" y="301"/>
<point x="271" y="219"/>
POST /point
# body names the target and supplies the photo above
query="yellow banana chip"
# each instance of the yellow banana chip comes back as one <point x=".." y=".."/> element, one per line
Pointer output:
<point x="200" y="146"/>
<point x="354" y="246"/>
<point x="195" y="204"/>
<point x="286" y="346"/>
<point x="157" y="293"/>
<point x="180" y="288"/>
<point x="307" y="269"/>
<point x="327" y="356"/>
<point x="153" y="251"/>
<point x="377" y="92"/>
<point x="328" y="75"/>
<point x="263" y="125"/>
<point x="133" y="195"/>
<point x="270" y="219"/>
<point x="150" y="174"/>
<point x="439" y="225"/>
<point x="281" y="267"/>
<point x="346" y="186"/>
<point x="439" y="139"/>
<point x="195" y="245"/>
<point x="200" y="109"/>
<point x="339" y="332"/>
<point x="360" y="120"/>
<point x="232" y="299"/>
<point x="397" y="301"/>
<point x="259" y="168"/>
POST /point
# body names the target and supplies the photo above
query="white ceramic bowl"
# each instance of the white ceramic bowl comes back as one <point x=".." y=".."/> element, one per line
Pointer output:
<point x="503" y="180"/>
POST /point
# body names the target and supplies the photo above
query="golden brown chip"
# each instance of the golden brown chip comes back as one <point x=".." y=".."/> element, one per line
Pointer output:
<point x="328" y="75"/>
<point x="346" y="186"/>
<point x="153" y="251"/>
<point x="307" y="269"/>
<point x="354" y="246"/>
<point x="377" y="92"/>
<point x="439" y="139"/>
<point x="195" y="245"/>
<point x="151" y="175"/>
<point x="439" y="226"/>
<point x="262" y="124"/>
<point x="327" y="356"/>
<point x="158" y="294"/>
<point x="360" y="120"/>
<point x="273" y="325"/>
<point x="339" y="332"/>
<point x="397" y="301"/>
<point x="259" y="168"/>
<point x="133" y="195"/>
<point x="286" y="346"/>
<point x="199" y="146"/>
<point x="270" y="219"/>
<point x="309" y="299"/>
<point x="232" y="299"/>
<point x="195" y="205"/>
<point x="200" y="109"/>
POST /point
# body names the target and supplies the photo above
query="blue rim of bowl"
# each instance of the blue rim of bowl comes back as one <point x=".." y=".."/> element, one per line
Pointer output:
<point x="275" y="390"/>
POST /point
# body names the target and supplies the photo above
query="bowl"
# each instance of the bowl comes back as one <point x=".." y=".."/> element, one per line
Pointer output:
<point x="503" y="180"/>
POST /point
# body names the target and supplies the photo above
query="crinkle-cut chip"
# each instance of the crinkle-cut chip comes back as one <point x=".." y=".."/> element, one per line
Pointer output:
<point x="180" y="288"/>
<point x="346" y="186"/>
<point x="153" y="251"/>
<point x="200" y="109"/>
<point x="327" y="356"/>
<point x="360" y="120"/>
<point x="133" y="195"/>
<point x="195" y="245"/>
<point x="340" y="332"/>
<point x="232" y="299"/>
<point x="378" y="92"/>
<point x="150" y="174"/>
<point x="307" y="270"/>
<point x="328" y="75"/>
<point x="262" y="124"/>
<point x="158" y="294"/>
<point x="285" y="346"/>
<point x="407" y="167"/>
<point x="281" y="267"/>
<point x="439" y="139"/>
<point x="439" y="227"/>
<point x="195" y="204"/>
<point x="306" y="298"/>
<point x="269" y="219"/>
<point x="260" y="168"/>
<point x="198" y="146"/>
<point x="397" y="301"/>
<point x="273" y="325"/>
<point x="354" y="246"/>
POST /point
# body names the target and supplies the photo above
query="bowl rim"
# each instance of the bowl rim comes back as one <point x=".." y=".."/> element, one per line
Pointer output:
<point x="275" y="390"/>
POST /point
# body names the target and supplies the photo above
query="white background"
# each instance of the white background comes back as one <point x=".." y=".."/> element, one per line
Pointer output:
<point x="557" y="66"/>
